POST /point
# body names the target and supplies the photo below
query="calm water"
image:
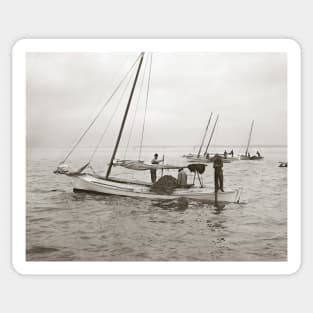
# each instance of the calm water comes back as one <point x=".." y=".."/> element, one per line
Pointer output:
<point x="64" y="226"/>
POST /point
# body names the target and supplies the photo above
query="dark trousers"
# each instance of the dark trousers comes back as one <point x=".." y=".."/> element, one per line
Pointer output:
<point x="218" y="179"/>
<point x="153" y="176"/>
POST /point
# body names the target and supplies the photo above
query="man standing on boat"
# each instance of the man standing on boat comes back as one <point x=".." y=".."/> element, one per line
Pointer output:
<point x="153" y="171"/>
<point x="181" y="178"/>
<point x="218" y="173"/>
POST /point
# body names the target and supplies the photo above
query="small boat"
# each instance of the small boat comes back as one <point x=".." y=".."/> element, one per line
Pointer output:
<point x="198" y="157"/>
<point x="283" y="164"/>
<point x="204" y="158"/>
<point x="247" y="156"/>
<point x="251" y="158"/>
<point x="96" y="183"/>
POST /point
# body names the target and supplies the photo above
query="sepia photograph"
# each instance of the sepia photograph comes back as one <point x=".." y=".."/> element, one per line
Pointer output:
<point x="156" y="156"/>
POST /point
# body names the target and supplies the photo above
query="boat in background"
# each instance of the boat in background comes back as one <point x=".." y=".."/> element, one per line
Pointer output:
<point x="247" y="155"/>
<point x="206" y="157"/>
<point x="202" y="159"/>
<point x="283" y="164"/>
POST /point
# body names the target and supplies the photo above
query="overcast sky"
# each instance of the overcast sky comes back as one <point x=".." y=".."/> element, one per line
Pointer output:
<point x="66" y="90"/>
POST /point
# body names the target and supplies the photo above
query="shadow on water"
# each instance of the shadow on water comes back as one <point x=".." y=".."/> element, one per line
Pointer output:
<point x="40" y="250"/>
<point x="180" y="204"/>
<point x="44" y="191"/>
<point x="218" y="208"/>
<point x="82" y="196"/>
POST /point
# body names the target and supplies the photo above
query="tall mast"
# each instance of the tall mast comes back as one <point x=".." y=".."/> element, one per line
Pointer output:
<point x="207" y="147"/>
<point x="247" y="150"/>
<point x="124" y="118"/>
<point x="204" y="135"/>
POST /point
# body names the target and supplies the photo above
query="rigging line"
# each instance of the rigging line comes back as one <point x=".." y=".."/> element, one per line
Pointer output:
<point x="204" y="135"/>
<point x="136" y="108"/>
<point x="111" y="118"/>
<point x="249" y="140"/>
<point x="144" y="118"/>
<point x="99" y="113"/>
<point x="123" y="65"/>
<point x="212" y="133"/>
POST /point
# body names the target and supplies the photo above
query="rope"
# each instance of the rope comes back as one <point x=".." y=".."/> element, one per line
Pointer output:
<point x="212" y="133"/>
<point x="99" y="113"/>
<point x="136" y="109"/>
<point x="110" y="120"/>
<point x="144" y="119"/>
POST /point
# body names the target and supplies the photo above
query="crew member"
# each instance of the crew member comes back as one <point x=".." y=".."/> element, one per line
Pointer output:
<point x="218" y="173"/>
<point x="258" y="154"/>
<point x="225" y="154"/>
<point x="153" y="171"/>
<point x="231" y="153"/>
<point x="181" y="178"/>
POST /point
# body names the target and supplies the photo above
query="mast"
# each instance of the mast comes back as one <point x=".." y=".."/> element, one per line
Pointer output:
<point x="204" y="135"/>
<point x="247" y="150"/>
<point x="124" y="117"/>
<point x="207" y="147"/>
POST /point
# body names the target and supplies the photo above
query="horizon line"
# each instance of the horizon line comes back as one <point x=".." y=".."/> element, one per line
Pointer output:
<point x="167" y="146"/>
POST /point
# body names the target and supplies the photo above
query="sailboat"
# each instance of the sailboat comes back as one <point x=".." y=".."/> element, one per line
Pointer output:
<point x="94" y="182"/>
<point x="205" y="157"/>
<point x="197" y="156"/>
<point x="247" y="155"/>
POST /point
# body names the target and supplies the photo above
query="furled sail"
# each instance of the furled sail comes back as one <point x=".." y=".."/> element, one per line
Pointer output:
<point x="141" y="166"/>
<point x="69" y="171"/>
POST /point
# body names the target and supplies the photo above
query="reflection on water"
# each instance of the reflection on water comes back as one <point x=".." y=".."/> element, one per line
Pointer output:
<point x="66" y="226"/>
<point x="180" y="204"/>
<point x="219" y="207"/>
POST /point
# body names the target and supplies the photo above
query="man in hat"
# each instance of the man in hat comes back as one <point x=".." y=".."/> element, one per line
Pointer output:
<point x="218" y="173"/>
<point x="181" y="178"/>
<point x="155" y="160"/>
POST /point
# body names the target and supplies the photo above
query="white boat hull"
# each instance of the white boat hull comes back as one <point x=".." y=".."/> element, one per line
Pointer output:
<point x="89" y="183"/>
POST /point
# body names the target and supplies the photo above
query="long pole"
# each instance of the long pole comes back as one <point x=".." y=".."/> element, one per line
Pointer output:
<point x="204" y="135"/>
<point x="212" y="133"/>
<point x="124" y="118"/>
<point x="247" y="150"/>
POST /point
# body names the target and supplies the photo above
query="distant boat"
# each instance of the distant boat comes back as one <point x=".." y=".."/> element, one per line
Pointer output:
<point x="96" y="183"/>
<point x="283" y="164"/>
<point x="198" y="157"/>
<point x="205" y="157"/>
<point x="247" y="155"/>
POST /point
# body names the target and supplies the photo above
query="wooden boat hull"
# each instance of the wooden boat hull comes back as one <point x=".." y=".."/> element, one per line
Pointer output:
<point x="89" y="183"/>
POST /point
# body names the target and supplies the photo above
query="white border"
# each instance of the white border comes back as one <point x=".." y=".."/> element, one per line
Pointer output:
<point x="155" y="268"/>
